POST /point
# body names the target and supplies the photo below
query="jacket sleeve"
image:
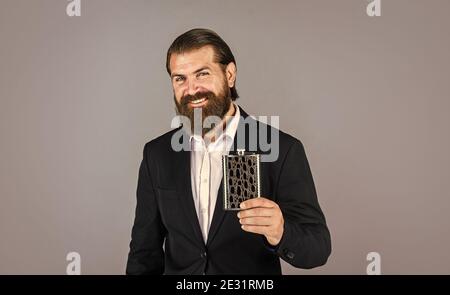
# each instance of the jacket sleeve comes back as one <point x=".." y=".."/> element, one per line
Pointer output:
<point x="146" y="254"/>
<point x="306" y="241"/>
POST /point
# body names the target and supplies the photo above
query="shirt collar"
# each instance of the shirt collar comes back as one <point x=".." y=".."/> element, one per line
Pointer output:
<point x="229" y="132"/>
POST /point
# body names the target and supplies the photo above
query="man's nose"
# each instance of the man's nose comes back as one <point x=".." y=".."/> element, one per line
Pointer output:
<point x="192" y="87"/>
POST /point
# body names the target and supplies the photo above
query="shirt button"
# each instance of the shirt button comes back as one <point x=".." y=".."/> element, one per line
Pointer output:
<point x="205" y="180"/>
<point x="203" y="210"/>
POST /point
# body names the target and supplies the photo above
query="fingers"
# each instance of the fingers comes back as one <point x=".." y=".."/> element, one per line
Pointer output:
<point x="257" y="229"/>
<point x="258" y="202"/>
<point x="263" y="212"/>
<point x="256" y="221"/>
<point x="262" y="216"/>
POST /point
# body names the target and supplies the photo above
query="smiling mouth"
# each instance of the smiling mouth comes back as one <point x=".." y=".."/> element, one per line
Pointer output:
<point x="198" y="102"/>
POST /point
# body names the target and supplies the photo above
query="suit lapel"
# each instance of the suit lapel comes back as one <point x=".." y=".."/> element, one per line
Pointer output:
<point x="183" y="161"/>
<point x="219" y="212"/>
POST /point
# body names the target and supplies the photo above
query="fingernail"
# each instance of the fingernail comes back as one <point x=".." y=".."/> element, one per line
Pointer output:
<point x="242" y="206"/>
<point x="239" y="215"/>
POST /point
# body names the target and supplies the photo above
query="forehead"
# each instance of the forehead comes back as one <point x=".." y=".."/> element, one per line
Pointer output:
<point x="189" y="60"/>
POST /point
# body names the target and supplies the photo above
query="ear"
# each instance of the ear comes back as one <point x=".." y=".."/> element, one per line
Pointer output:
<point x="230" y="73"/>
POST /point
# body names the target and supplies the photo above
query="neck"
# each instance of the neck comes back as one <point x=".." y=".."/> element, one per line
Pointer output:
<point x="211" y="135"/>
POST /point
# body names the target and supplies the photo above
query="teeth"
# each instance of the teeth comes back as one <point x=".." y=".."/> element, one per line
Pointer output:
<point x="198" y="100"/>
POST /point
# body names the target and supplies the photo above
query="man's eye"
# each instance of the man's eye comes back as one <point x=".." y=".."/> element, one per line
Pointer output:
<point x="202" y="74"/>
<point x="179" y="79"/>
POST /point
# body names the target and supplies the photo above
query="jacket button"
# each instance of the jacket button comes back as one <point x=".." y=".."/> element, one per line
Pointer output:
<point x="203" y="255"/>
<point x="288" y="254"/>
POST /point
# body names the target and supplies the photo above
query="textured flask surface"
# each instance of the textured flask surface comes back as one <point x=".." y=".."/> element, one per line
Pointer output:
<point x="241" y="179"/>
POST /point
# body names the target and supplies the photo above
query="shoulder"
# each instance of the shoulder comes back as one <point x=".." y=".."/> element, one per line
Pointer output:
<point x="161" y="143"/>
<point x="285" y="140"/>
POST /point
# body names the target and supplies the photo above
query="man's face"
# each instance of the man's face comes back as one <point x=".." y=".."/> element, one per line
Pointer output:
<point x="199" y="82"/>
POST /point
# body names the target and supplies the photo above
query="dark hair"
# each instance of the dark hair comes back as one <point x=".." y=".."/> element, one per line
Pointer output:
<point x="197" y="38"/>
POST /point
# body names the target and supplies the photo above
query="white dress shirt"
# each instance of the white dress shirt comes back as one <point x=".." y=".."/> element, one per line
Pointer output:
<point x="206" y="170"/>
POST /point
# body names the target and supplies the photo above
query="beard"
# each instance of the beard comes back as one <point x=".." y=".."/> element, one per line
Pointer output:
<point x="216" y="105"/>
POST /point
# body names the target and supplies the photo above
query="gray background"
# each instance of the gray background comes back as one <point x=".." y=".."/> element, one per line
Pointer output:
<point x="368" y="97"/>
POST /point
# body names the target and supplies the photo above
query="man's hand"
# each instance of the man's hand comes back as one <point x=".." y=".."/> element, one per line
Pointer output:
<point x="262" y="216"/>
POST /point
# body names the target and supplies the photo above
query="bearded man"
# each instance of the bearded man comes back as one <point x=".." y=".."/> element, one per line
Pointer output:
<point x="180" y="225"/>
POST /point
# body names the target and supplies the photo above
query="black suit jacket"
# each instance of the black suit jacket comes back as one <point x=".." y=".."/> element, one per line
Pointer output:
<point x="166" y="236"/>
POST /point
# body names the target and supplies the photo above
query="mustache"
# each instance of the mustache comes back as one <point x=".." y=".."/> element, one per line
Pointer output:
<point x="189" y="98"/>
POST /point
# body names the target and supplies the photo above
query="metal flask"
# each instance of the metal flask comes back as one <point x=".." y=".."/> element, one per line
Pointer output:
<point x="241" y="172"/>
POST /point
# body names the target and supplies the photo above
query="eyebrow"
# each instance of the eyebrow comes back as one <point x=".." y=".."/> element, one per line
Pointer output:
<point x="195" y="72"/>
